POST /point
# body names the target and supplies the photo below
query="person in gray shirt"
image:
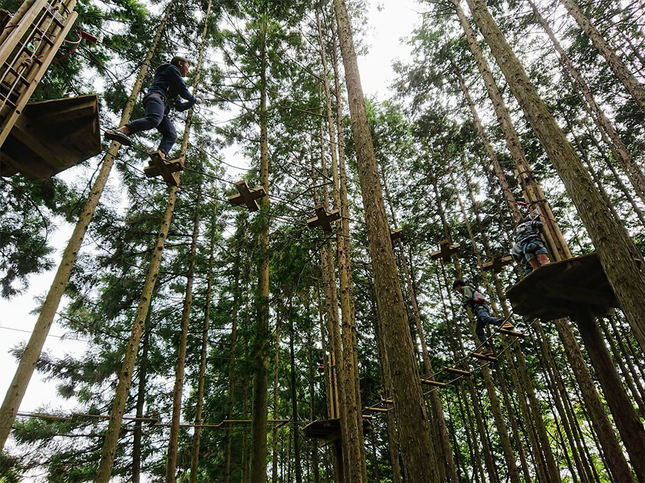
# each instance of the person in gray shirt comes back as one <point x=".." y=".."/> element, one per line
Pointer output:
<point x="476" y="301"/>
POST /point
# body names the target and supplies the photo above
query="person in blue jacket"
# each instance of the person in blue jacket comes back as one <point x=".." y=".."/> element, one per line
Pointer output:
<point x="167" y="88"/>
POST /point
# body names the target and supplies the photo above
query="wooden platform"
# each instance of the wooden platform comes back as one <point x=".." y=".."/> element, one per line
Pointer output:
<point x="323" y="219"/>
<point x="51" y="136"/>
<point x="445" y="251"/>
<point x="329" y="429"/>
<point x="247" y="196"/>
<point x="496" y="263"/>
<point x="168" y="169"/>
<point x="560" y="289"/>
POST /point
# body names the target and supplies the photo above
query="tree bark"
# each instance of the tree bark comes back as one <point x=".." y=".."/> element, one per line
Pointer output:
<point x="260" y="382"/>
<point x="408" y="399"/>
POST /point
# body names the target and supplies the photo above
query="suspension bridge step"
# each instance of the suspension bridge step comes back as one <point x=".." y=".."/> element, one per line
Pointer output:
<point x="167" y="169"/>
<point x="329" y="429"/>
<point x="496" y="263"/>
<point x="247" y="196"/>
<point x="511" y="332"/>
<point x="445" y="250"/>
<point x="454" y="370"/>
<point x="323" y="219"/>
<point x="430" y="382"/>
<point x="483" y="357"/>
<point x="396" y="234"/>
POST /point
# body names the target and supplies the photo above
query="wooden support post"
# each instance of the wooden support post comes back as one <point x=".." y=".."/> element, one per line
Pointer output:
<point x="323" y="219"/>
<point x="247" y="196"/>
<point x="445" y="250"/>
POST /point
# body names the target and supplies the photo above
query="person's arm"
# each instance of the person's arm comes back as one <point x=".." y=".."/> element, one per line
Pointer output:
<point x="183" y="92"/>
<point x="468" y="295"/>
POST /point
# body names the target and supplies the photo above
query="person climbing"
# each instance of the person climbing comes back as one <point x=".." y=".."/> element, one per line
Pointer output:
<point x="527" y="236"/>
<point x="475" y="300"/>
<point x="167" y="87"/>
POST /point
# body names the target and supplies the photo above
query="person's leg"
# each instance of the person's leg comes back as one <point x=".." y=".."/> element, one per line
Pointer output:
<point x="168" y="135"/>
<point x="154" y="109"/>
<point x="541" y="255"/>
<point x="479" y="329"/>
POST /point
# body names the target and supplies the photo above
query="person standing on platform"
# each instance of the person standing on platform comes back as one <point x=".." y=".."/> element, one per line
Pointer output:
<point x="167" y="88"/>
<point x="476" y="301"/>
<point x="527" y="237"/>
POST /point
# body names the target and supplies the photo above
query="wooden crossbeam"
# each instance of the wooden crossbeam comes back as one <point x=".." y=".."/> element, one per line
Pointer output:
<point x="483" y="357"/>
<point x="167" y="169"/>
<point x="496" y="263"/>
<point x="323" y="219"/>
<point x="247" y="196"/>
<point x="445" y="250"/>
<point x="396" y="234"/>
<point x="454" y="370"/>
<point x="378" y="410"/>
<point x="430" y="382"/>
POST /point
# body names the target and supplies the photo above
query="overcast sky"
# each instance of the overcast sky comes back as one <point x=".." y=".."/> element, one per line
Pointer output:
<point x="387" y="24"/>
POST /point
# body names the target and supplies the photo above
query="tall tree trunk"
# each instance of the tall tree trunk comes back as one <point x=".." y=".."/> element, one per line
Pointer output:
<point x="351" y="402"/>
<point x="34" y="347"/>
<point x="276" y="402"/>
<point x="141" y="399"/>
<point x="194" y="465"/>
<point x="260" y="383"/>
<point x="173" y="440"/>
<point x="294" y="399"/>
<point x="617" y="66"/>
<point x="408" y="398"/>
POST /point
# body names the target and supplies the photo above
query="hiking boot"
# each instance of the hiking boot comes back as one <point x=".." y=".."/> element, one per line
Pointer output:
<point x="118" y="136"/>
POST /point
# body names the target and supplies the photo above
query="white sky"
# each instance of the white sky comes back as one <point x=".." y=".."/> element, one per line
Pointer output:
<point x="387" y="25"/>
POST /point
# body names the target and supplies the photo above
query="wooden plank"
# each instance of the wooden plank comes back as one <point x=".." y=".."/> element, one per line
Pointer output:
<point x="378" y="410"/>
<point x="454" y="370"/>
<point x="496" y="263"/>
<point x="387" y="401"/>
<point x="445" y="250"/>
<point x="511" y="332"/>
<point x="483" y="357"/>
<point x="430" y="382"/>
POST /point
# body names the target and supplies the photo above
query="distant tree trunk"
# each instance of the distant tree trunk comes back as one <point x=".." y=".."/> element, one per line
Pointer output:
<point x="141" y="399"/>
<point x="194" y="465"/>
<point x="408" y="398"/>
<point x="274" y="443"/>
<point x="260" y="384"/>
<point x="619" y="257"/>
<point x="615" y="63"/>
<point x="294" y="399"/>
<point x="34" y="347"/>
<point x="173" y="440"/>
<point x="351" y="402"/>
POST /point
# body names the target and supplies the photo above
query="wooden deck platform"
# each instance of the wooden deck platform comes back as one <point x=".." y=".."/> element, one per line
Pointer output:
<point x="51" y="136"/>
<point x="560" y="289"/>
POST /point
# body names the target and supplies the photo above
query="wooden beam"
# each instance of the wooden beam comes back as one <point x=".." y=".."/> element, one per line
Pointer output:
<point x="483" y="357"/>
<point x="378" y="410"/>
<point x="445" y="250"/>
<point x="496" y="263"/>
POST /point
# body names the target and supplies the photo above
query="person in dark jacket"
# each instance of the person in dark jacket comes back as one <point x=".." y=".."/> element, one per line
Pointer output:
<point x="527" y="238"/>
<point x="476" y="301"/>
<point x="167" y="89"/>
